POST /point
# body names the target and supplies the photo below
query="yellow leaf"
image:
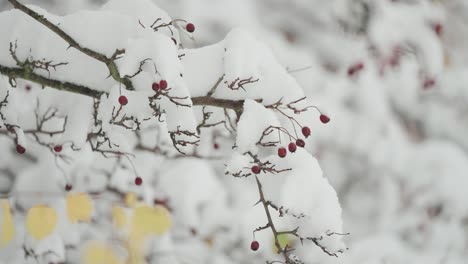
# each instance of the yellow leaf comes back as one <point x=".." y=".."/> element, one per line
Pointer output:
<point x="283" y="240"/>
<point x="79" y="207"/>
<point x="100" y="253"/>
<point x="447" y="60"/>
<point x="8" y="227"/>
<point x="130" y="199"/>
<point x="41" y="221"/>
<point x="135" y="249"/>
<point x="150" y="221"/>
<point x="119" y="216"/>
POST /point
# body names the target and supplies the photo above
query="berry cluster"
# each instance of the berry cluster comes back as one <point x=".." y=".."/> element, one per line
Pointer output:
<point x="162" y="85"/>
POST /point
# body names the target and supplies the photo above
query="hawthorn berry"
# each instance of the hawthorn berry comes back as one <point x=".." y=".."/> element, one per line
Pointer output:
<point x="428" y="83"/>
<point x="138" y="181"/>
<point x="68" y="187"/>
<point x="190" y="27"/>
<point x="355" y="68"/>
<point x="163" y="84"/>
<point x="292" y="147"/>
<point x="300" y="142"/>
<point x="123" y="100"/>
<point x="216" y="146"/>
<point x="324" y="119"/>
<point x="306" y="131"/>
<point x="438" y="29"/>
<point x="58" y="148"/>
<point x="254" y="245"/>
<point x="282" y="152"/>
<point x="256" y="169"/>
<point x="28" y="88"/>
<point x="20" y="149"/>
<point x="155" y="86"/>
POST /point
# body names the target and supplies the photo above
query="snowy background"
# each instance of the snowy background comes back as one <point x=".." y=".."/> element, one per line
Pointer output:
<point x="390" y="75"/>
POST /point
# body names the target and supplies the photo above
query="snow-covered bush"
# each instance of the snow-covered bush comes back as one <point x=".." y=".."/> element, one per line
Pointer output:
<point x="114" y="134"/>
<point x="392" y="75"/>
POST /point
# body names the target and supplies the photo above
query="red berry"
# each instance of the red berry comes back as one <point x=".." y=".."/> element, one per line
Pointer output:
<point x="438" y="29"/>
<point x="155" y="86"/>
<point x="216" y="146"/>
<point x="300" y="143"/>
<point x="282" y="152"/>
<point x="190" y="27"/>
<point x="428" y="83"/>
<point x="163" y="84"/>
<point x="138" y="181"/>
<point x="292" y="147"/>
<point x="20" y="149"/>
<point x="306" y="131"/>
<point x="68" y="187"/>
<point x="123" y="100"/>
<point x="324" y="119"/>
<point x="256" y="169"/>
<point x="355" y="68"/>
<point x="58" y="148"/>
<point x="254" y="245"/>
<point x="28" y="88"/>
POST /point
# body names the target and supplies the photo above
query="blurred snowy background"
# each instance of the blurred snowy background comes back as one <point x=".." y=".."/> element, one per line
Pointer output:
<point x="392" y="75"/>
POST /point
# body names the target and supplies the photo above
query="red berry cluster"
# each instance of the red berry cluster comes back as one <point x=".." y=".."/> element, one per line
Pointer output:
<point x="292" y="147"/>
<point x="162" y="85"/>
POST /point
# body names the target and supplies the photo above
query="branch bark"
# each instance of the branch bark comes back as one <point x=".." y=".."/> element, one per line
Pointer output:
<point x="236" y="105"/>
<point x="20" y="73"/>
<point x="23" y="73"/>
<point x="113" y="69"/>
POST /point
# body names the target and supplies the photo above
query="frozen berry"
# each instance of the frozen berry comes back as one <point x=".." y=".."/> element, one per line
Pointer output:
<point x="68" y="187"/>
<point x="123" y="100"/>
<point x="256" y="169"/>
<point x="138" y="181"/>
<point x="306" y="131"/>
<point x="216" y="146"/>
<point x="20" y="149"/>
<point x="292" y="147"/>
<point x="155" y="86"/>
<point x="355" y="68"/>
<point x="300" y="143"/>
<point x="254" y="245"/>
<point x="438" y="29"/>
<point x="163" y="84"/>
<point x="190" y="27"/>
<point x="58" y="148"/>
<point x="324" y="119"/>
<point x="428" y="83"/>
<point x="282" y="152"/>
